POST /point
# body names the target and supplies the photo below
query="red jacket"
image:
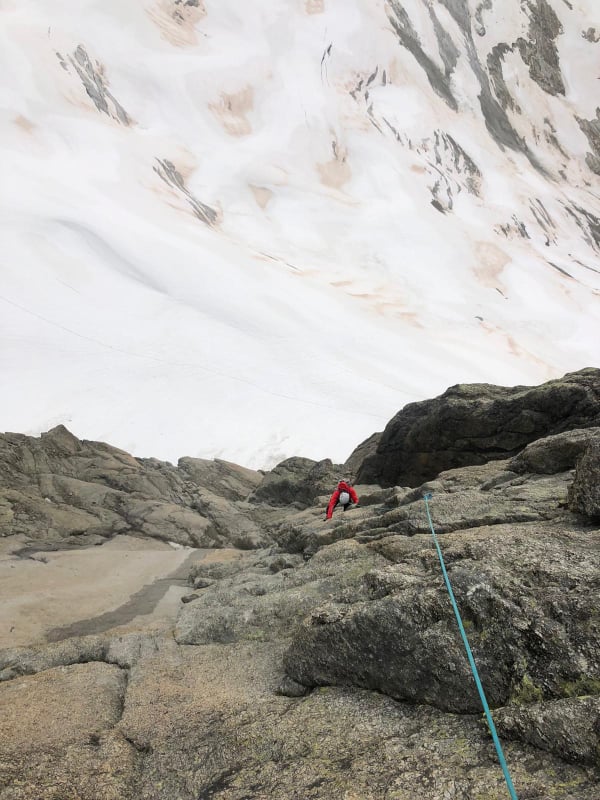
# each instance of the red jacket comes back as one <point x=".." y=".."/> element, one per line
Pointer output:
<point x="335" y="497"/>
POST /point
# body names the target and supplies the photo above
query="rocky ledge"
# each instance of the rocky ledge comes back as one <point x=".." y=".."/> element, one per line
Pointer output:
<point x="323" y="660"/>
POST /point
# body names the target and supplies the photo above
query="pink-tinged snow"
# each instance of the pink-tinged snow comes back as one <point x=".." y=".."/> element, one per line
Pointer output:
<point x="329" y="291"/>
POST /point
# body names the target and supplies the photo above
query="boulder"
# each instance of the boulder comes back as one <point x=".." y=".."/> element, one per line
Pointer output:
<point x="527" y="594"/>
<point x="584" y="494"/>
<point x="553" y="454"/>
<point x="476" y="423"/>
<point x="569" y="728"/>
<point x="232" y="521"/>
<point x="221" y="478"/>
<point x="297" y="482"/>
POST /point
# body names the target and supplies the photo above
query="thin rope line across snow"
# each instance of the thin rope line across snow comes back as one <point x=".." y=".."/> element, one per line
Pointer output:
<point x="184" y="364"/>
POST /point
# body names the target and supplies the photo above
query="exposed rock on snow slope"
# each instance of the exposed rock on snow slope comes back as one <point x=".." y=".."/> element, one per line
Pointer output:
<point x="315" y="210"/>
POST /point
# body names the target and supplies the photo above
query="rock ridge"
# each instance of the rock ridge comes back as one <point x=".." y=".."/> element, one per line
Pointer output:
<point x="321" y="658"/>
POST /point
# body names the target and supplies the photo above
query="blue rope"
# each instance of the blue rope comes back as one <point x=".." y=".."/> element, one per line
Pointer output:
<point x="484" y="702"/>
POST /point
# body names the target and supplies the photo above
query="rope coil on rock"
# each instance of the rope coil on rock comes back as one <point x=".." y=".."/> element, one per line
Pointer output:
<point x="427" y="497"/>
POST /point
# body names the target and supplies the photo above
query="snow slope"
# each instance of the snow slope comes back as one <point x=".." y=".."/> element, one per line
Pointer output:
<point x="252" y="230"/>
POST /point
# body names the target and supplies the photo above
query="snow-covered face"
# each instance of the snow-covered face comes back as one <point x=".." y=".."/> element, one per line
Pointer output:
<point x="319" y="211"/>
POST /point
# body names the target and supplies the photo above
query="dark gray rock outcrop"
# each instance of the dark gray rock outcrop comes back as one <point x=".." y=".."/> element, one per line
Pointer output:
<point x="58" y="490"/>
<point x="476" y="423"/>
<point x="527" y="593"/>
<point x="569" y="727"/>
<point x="465" y="498"/>
<point x="554" y="454"/>
<point x="584" y="494"/>
<point x="222" y="478"/>
<point x="297" y="481"/>
<point x="359" y="454"/>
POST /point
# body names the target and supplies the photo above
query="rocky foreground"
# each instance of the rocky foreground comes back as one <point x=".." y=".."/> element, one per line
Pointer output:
<point x="321" y="659"/>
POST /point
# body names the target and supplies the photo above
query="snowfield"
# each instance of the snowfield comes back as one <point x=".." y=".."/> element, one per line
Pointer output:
<point x="256" y="230"/>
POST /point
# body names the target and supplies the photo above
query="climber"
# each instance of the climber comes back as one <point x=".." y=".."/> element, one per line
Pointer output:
<point x="343" y="495"/>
